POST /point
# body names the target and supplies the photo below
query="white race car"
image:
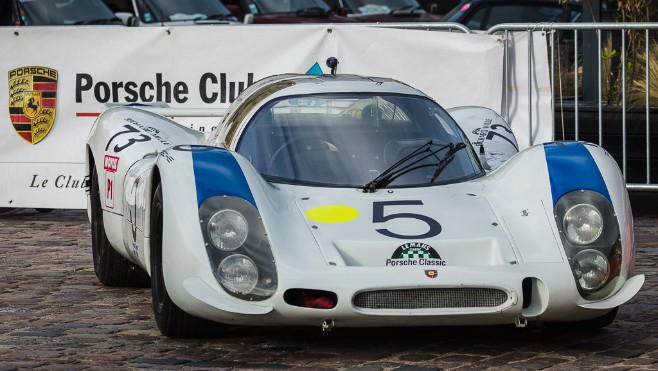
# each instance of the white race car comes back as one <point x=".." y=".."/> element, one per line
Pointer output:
<point x="340" y="200"/>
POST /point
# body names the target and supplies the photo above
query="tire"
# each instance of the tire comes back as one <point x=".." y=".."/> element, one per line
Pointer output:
<point x="171" y="320"/>
<point x="110" y="267"/>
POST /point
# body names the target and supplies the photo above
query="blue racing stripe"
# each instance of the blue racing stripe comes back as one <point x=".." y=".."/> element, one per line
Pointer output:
<point x="571" y="167"/>
<point x="217" y="173"/>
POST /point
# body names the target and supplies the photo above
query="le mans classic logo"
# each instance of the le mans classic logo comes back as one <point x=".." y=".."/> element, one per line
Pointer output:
<point x="32" y="101"/>
<point x="415" y="253"/>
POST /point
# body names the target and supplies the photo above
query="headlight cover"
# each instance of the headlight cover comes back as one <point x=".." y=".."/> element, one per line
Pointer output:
<point x="590" y="235"/>
<point x="583" y="224"/>
<point x="238" y="247"/>
<point x="227" y="230"/>
<point x="591" y="269"/>
<point x="238" y="274"/>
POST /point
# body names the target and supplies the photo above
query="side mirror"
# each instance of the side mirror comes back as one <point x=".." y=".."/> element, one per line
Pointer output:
<point x="434" y="9"/>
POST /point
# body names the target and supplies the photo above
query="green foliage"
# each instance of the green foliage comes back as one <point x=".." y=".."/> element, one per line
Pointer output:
<point x="637" y="89"/>
<point x="634" y="53"/>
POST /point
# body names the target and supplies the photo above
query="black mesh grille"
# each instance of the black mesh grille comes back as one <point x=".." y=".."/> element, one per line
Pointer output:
<point x="431" y="298"/>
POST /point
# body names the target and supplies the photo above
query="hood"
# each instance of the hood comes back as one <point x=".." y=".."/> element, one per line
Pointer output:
<point x="423" y="227"/>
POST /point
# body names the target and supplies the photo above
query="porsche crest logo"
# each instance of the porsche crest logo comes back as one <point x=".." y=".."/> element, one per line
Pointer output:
<point x="32" y="101"/>
<point x="431" y="273"/>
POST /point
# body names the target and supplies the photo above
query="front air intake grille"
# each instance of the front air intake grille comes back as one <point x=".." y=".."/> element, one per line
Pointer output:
<point x="431" y="298"/>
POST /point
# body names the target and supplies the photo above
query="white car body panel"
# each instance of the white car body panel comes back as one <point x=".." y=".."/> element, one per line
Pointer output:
<point x="496" y="230"/>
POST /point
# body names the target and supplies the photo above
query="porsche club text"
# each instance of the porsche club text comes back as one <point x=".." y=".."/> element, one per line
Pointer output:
<point x="211" y="88"/>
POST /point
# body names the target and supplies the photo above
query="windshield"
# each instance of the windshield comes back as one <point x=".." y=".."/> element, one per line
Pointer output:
<point x="349" y="140"/>
<point x="152" y="11"/>
<point x="66" y="12"/>
<point x="379" y="6"/>
<point x="286" y="6"/>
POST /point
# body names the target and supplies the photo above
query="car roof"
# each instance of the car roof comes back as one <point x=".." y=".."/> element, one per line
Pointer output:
<point x="301" y="84"/>
<point x="289" y="85"/>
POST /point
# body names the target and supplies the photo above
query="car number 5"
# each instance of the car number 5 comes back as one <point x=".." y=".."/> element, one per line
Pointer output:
<point x="378" y="216"/>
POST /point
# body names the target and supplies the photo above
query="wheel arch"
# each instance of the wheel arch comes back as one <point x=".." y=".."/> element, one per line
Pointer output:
<point x="154" y="180"/>
<point x="89" y="173"/>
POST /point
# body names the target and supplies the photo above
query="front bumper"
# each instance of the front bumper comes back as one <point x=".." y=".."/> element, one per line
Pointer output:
<point x="548" y="295"/>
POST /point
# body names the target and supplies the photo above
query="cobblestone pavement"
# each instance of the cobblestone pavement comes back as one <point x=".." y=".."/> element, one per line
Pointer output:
<point x="55" y="315"/>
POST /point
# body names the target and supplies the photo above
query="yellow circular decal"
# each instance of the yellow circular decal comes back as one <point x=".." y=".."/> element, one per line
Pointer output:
<point x="332" y="214"/>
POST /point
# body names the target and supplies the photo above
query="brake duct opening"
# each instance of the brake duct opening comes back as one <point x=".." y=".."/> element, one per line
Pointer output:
<point x="308" y="298"/>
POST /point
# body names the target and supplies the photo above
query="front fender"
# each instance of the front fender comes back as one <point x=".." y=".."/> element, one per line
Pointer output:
<point x="188" y="176"/>
<point x="120" y="137"/>
<point x="525" y="191"/>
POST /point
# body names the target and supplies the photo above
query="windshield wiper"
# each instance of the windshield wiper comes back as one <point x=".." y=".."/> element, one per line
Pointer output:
<point x="450" y="155"/>
<point x="396" y="170"/>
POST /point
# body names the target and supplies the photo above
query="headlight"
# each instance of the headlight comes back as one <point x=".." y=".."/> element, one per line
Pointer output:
<point x="238" y="274"/>
<point x="583" y="224"/>
<point x="227" y="230"/>
<point x="592" y="269"/>
<point x="590" y="235"/>
<point x="238" y="247"/>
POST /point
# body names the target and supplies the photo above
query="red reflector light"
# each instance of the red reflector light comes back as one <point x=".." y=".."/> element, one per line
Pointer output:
<point x="322" y="302"/>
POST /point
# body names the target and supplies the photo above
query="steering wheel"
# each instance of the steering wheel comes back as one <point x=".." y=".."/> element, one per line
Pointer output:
<point x="299" y="145"/>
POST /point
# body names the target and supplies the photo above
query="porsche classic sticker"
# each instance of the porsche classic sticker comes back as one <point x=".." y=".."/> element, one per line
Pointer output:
<point x="415" y="254"/>
<point x="32" y="101"/>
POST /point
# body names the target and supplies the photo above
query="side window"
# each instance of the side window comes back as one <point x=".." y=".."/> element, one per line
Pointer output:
<point x="476" y="19"/>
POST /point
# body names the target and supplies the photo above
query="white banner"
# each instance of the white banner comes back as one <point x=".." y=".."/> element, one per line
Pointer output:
<point x="529" y="92"/>
<point x="60" y="78"/>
